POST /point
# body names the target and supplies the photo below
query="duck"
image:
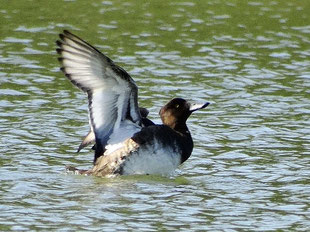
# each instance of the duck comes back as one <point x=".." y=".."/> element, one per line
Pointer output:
<point x="126" y="141"/>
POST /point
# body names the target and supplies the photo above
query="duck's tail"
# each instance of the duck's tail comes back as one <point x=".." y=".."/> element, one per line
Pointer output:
<point x="75" y="171"/>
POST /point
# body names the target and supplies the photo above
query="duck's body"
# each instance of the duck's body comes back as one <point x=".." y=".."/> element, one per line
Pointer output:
<point x="126" y="141"/>
<point x="144" y="153"/>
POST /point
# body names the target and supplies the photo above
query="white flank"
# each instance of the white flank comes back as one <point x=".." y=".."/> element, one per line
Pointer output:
<point x="153" y="159"/>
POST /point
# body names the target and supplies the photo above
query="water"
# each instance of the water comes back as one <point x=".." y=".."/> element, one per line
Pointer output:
<point x="249" y="170"/>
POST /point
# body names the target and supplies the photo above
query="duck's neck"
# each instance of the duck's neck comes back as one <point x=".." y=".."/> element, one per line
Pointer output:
<point x="181" y="128"/>
<point x="186" y="143"/>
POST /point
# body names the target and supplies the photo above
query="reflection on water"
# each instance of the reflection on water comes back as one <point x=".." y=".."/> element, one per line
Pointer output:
<point x="250" y="166"/>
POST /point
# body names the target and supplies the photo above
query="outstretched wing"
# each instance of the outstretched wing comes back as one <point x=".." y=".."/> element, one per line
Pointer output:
<point x="88" y="139"/>
<point x="112" y="93"/>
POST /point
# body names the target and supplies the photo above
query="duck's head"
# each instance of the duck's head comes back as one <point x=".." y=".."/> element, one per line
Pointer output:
<point x="177" y="111"/>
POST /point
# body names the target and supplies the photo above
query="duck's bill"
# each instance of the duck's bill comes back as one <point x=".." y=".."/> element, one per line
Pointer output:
<point x="195" y="107"/>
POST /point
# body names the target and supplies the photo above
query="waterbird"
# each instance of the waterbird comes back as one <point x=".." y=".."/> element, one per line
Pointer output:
<point x="126" y="141"/>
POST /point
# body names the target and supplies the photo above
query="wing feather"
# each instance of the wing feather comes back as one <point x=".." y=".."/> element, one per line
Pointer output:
<point x="112" y="93"/>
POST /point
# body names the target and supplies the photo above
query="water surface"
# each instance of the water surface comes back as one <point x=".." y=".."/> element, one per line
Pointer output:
<point x="250" y="166"/>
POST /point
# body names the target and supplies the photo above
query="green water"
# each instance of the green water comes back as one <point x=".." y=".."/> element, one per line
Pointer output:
<point x="250" y="168"/>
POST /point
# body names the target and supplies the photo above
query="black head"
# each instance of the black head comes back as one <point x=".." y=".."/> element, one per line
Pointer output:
<point x="177" y="111"/>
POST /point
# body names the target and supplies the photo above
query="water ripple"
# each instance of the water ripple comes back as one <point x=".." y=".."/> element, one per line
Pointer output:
<point x="249" y="168"/>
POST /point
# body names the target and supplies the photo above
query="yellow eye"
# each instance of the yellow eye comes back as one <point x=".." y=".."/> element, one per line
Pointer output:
<point x="177" y="106"/>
